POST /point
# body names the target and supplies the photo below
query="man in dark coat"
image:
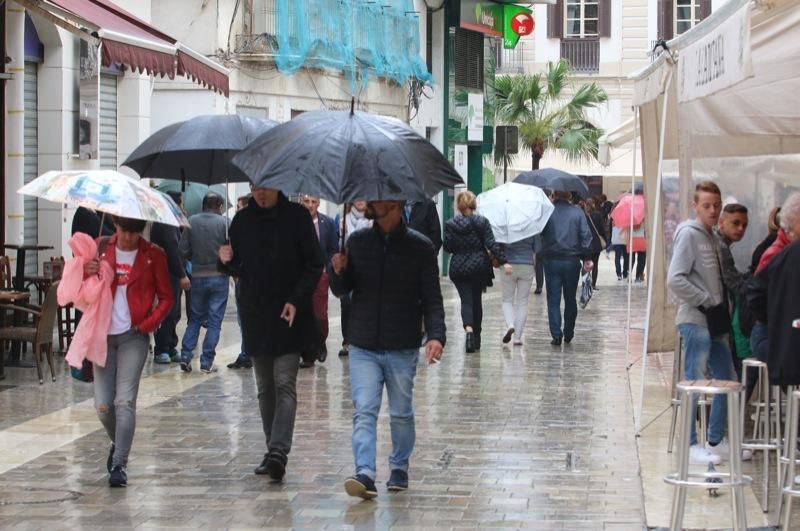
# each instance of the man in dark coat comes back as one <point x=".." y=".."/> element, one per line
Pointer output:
<point x="392" y="275"/>
<point x="88" y="222"/>
<point x="423" y="217"/>
<point x="168" y="237"/>
<point x="274" y="252"/>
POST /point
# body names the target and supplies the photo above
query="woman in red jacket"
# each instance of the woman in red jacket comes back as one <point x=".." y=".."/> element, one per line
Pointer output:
<point x="142" y="298"/>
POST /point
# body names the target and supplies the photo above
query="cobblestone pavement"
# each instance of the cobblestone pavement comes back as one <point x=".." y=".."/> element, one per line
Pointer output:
<point x="525" y="437"/>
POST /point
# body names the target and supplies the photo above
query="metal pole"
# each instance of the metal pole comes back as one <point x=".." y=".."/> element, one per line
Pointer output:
<point x="630" y="242"/>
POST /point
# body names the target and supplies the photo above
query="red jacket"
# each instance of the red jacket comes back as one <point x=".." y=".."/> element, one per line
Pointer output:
<point x="149" y="293"/>
<point x="773" y="250"/>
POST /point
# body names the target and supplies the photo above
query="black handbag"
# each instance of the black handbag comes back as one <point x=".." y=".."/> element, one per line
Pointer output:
<point x="718" y="319"/>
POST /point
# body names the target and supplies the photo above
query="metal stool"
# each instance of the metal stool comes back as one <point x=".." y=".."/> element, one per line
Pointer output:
<point x="678" y="371"/>
<point x="789" y="458"/>
<point x="768" y="409"/>
<point x="735" y="479"/>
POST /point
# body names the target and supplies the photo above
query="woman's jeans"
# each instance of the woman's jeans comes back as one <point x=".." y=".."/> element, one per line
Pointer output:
<point x="621" y="255"/>
<point x="516" y="290"/>
<point x="562" y="276"/>
<point x="370" y="371"/>
<point x="276" y="382"/>
<point x="116" y="387"/>
<point x="707" y="357"/>
<point x="470" y="292"/>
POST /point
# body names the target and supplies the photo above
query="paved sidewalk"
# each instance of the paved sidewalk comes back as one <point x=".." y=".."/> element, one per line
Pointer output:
<point x="526" y="437"/>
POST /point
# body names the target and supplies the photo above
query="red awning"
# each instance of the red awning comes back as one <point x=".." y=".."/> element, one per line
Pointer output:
<point x="132" y="42"/>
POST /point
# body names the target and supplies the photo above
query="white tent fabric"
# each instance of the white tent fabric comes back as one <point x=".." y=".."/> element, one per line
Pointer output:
<point x="755" y="117"/>
<point x="617" y="137"/>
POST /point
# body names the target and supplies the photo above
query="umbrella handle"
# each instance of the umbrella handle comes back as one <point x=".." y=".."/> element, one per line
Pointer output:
<point x="344" y="227"/>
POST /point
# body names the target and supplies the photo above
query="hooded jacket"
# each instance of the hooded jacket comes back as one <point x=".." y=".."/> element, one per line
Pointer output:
<point x="694" y="273"/>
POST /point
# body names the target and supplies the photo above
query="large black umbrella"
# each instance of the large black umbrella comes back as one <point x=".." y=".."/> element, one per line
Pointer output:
<point x="198" y="150"/>
<point x="552" y="179"/>
<point x="346" y="156"/>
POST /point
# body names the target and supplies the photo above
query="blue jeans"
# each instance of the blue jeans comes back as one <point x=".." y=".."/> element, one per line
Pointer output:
<point x="707" y="357"/>
<point x="208" y="302"/>
<point x="562" y="276"/>
<point x="242" y="354"/>
<point x="621" y="258"/>
<point x="759" y="341"/>
<point x="369" y="372"/>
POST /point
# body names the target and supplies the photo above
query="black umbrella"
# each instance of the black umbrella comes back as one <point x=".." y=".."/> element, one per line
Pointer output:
<point x="557" y="180"/>
<point x="347" y="156"/>
<point x="198" y="150"/>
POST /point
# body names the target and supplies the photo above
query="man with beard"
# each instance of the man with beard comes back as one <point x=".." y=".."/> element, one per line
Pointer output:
<point x="391" y="272"/>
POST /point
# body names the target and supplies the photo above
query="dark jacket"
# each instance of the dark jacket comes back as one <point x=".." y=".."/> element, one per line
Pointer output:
<point x="424" y="218"/>
<point x="168" y="237"/>
<point x="88" y="222"/>
<point x="760" y="249"/>
<point x="394" y="282"/>
<point x="277" y="258"/>
<point x="200" y="242"/>
<point x="566" y="234"/>
<point x="599" y="221"/>
<point x="782" y="276"/>
<point x="328" y="237"/>
<point x="468" y="238"/>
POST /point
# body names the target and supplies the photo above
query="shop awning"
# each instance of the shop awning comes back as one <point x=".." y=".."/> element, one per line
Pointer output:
<point x="615" y="138"/>
<point x="129" y="41"/>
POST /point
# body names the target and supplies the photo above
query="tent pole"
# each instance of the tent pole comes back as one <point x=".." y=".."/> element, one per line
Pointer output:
<point x="653" y="241"/>
<point x="630" y="242"/>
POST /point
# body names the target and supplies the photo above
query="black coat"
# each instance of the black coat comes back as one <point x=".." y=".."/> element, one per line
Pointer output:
<point x="328" y="237"/>
<point x="277" y="258"/>
<point x="168" y="237"/>
<point x="468" y="238"/>
<point x="599" y="222"/>
<point x="783" y="308"/>
<point x="88" y="222"/>
<point x="424" y="219"/>
<point x="394" y="282"/>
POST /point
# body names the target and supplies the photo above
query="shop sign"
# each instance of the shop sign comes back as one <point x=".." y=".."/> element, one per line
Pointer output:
<point x="508" y="21"/>
<point x="517" y="22"/>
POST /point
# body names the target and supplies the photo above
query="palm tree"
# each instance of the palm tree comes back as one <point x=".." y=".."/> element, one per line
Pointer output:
<point x="546" y="117"/>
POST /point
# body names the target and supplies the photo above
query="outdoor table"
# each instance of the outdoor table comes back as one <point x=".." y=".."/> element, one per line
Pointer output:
<point x="12" y="297"/>
<point x="19" y="278"/>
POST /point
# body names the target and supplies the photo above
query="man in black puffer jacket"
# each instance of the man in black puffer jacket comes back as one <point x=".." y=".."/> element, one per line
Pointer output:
<point x="392" y="274"/>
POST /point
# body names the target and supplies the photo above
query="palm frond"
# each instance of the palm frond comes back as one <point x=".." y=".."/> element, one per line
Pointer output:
<point x="586" y="97"/>
<point x="557" y="78"/>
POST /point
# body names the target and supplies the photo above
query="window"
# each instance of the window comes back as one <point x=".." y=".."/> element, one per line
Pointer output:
<point x="687" y="14"/>
<point x="581" y="18"/>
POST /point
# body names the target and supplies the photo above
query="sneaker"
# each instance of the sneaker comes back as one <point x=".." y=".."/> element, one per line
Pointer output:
<point x="110" y="460"/>
<point x="118" y="477"/>
<point x="518" y="342"/>
<point x="556" y="342"/>
<point x="398" y="480"/>
<point x="162" y="359"/>
<point x="509" y="334"/>
<point x="360" y="486"/>
<point x="175" y="358"/>
<point x="344" y="352"/>
<point x="723" y="450"/>
<point x="700" y="456"/>
<point x="619" y="277"/>
<point x="186" y="366"/>
<point x="208" y="370"/>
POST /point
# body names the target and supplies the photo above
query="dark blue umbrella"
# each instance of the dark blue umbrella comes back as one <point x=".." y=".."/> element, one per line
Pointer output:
<point x="198" y="150"/>
<point x="345" y="156"/>
<point x="553" y="179"/>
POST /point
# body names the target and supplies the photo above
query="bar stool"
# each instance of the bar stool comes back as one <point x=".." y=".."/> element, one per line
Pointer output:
<point x="735" y="479"/>
<point x="789" y="458"/>
<point x="768" y="408"/>
<point x="678" y="370"/>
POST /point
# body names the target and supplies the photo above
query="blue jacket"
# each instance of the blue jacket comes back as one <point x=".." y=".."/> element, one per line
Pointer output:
<point x="567" y="234"/>
<point x="328" y="237"/>
<point x="520" y="252"/>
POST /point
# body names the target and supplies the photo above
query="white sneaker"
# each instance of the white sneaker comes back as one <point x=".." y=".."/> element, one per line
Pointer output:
<point x="700" y="456"/>
<point x="723" y="450"/>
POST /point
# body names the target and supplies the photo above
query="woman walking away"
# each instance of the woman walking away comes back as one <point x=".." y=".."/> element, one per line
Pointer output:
<point x="621" y="258"/>
<point x="516" y="282"/>
<point x="468" y="237"/>
<point x="597" y="224"/>
<point x="142" y="298"/>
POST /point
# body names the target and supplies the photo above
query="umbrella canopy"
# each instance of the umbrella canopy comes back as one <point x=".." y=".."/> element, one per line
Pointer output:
<point x="516" y="211"/>
<point x="553" y="179"/>
<point x="621" y="215"/>
<point x="106" y="191"/>
<point x="346" y="156"/>
<point x="198" y="150"/>
<point x="192" y="193"/>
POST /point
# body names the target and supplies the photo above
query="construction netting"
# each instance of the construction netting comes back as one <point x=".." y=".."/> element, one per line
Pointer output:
<point x="358" y="37"/>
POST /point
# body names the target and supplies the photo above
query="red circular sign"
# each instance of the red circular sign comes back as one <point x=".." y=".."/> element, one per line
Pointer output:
<point x="522" y="24"/>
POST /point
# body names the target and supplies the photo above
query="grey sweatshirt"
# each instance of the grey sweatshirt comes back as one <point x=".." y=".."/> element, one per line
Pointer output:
<point x="694" y="274"/>
<point x="200" y="243"/>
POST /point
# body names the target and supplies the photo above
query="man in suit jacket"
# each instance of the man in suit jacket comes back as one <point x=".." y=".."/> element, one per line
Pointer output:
<point x="423" y="217"/>
<point x="327" y="235"/>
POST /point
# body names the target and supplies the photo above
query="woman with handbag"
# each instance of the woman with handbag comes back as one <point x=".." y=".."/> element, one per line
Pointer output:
<point x="468" y="237"/>
<point x="597" y="224"/>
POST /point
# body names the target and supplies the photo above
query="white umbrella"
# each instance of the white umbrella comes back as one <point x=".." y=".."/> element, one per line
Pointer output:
<point x="107" y="191"/>
<point x="516" y="211"/>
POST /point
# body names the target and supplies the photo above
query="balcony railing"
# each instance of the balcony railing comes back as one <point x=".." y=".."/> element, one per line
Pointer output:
<point x="583" y="54"/>
<point x="511" y="61"/>
<point x="254" y="44"/>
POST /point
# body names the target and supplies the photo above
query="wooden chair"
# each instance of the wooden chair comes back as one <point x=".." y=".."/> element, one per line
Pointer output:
<point x="66" y="322"/>
<point x="40" y="335"/>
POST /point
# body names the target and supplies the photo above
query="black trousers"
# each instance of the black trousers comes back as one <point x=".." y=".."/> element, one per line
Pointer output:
<point x="539" y="269"/>
<point x="344" y="304"/>
<point x="641" y="260"/>
<point x="470" y="292"/>
<point x="596" y="259"/>
<point x="166" y="338"/>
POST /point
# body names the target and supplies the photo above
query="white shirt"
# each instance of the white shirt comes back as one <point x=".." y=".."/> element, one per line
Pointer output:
<point x="120" y="313"/>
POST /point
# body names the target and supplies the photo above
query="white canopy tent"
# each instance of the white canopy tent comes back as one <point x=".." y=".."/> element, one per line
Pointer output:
<point x="617" y="137"/>
<point x="727" y="88"/>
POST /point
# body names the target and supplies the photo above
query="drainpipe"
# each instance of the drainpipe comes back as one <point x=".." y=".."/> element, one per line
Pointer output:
<point x="15" y="121"/>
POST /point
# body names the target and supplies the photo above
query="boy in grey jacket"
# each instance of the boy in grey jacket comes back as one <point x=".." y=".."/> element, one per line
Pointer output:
<point x="696" y="280"/>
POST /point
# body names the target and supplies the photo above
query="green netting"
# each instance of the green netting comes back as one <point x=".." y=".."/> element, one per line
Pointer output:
<point x="357" y="37"/>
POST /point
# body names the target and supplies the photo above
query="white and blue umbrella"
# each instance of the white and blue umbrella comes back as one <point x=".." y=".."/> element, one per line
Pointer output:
<point x="516" y="211"/>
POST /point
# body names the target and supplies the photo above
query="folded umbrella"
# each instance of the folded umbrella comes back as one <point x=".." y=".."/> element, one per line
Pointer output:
<point x="553" y="179"/>
<point x="106" y="191"/>
<point x="621" y="214"/>
<point x="515" y="211"/>
<point x="346" y="156"/>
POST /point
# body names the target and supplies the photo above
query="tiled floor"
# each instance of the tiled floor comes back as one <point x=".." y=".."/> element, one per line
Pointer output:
<point x="529" y="437"/>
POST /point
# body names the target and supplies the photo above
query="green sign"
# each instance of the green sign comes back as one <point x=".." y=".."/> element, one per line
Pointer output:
<point x="508" y="21"/>
<point x="517" y="22"/>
